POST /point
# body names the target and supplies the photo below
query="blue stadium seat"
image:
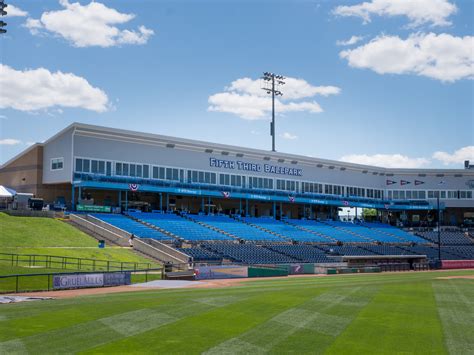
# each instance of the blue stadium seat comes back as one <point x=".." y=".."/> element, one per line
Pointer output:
<point x="131" y="226"/>
<point x="180" y="226"/>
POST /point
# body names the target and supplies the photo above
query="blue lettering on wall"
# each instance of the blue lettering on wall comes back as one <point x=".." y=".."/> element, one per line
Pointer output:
<point x="267" y="168"/>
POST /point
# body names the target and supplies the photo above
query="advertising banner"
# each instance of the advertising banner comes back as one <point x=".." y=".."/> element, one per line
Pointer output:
<point x="91" y="280"/>
<point x="117" y="279"/>
<point x="220" y="272"/>
<point x="77" y="281"/>
<point x="93" y="208"/>
<point x="457" y="264"/>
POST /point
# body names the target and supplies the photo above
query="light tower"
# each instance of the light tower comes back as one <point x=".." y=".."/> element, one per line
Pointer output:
<point x="272" y="83"/>
<point x="3" y="13"/>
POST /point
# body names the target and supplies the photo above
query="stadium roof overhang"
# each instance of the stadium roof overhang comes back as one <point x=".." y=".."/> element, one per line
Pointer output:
<point x="255" y="196"/>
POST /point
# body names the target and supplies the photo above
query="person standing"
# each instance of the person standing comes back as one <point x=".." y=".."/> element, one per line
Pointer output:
<point x="130" y="240"/>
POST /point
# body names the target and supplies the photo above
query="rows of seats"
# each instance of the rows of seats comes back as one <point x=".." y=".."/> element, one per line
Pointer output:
<point x="182" y="227"/>
<point x="371" y="234"/>
<point x="351" y="250"/>
<point x="386" y="249"/>
<point x="387" y="229"/>
<point x="131" y="226"/>
<point x="200" y="254"/>
<point x="432" y="252"/>
<point x="237" y="228"/>
<point x="248" y="253"/>
<point x="302" y="252"/>
<point x="328" y="231"/>
<point x="447" y="237"/>
<point x="464" y="251"/>
<point x="287" y="230"/>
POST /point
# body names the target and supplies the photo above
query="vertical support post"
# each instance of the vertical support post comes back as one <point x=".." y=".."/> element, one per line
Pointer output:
<point x="161" y="202"/>
<point x="281" y="210"/>
<point x="209" y="205"/>
<point x="126" y="200"/>
<point x="246" y="207"/>
<point x="273" y="113"/>
<point x="439" y="232"/>
<point x="120" y="199"/>
<point x="240" y="206"/>
<point x="73" y="199"/>
<point x="274" y="210"/>
<point x="167" y="202"/>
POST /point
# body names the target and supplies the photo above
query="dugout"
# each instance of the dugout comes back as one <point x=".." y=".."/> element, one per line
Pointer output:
<point x="388" y="262"/>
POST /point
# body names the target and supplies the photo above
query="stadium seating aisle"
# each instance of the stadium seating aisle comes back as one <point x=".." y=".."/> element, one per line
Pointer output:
<point x="201" y="255"/>
<point x="249" y="253"/>
<point x="131" y="226"/>
<point x="286" y="230"/>
<point x="304" y="253"/>
<point x="329" y="232"/>
<point x="180" y="226"/>
<point x="389" y="230"/>
<point x="447" y="238"/>
<point x="237" y="228"/>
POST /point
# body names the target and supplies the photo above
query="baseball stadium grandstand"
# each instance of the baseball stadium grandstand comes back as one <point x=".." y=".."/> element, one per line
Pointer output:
<point x="210" y="202"/>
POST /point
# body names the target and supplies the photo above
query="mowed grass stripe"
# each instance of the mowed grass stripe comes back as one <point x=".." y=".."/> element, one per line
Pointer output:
<point x="197" y="333"/>
<point x="455" y="299"/>
<point x="400" y="319"/>
<point x="87" y="335"/>
<point x="313" y="315"/>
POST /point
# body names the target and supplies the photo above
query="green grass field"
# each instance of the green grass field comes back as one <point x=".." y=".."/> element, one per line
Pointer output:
<point x="404" y="313"/>
<point x="47" y="236"/>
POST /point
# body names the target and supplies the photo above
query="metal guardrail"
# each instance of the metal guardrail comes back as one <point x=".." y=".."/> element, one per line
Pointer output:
<point x="65" y="262"/>
<point x="43" y="281"/>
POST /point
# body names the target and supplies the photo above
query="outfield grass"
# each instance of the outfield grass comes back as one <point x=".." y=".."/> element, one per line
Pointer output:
<point x="410" y="313"/>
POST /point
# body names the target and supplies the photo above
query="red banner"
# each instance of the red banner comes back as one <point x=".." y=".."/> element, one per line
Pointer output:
<point x="457" y="264"/>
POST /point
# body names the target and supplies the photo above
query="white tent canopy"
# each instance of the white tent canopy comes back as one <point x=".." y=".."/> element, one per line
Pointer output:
<point x="6" y="192"/>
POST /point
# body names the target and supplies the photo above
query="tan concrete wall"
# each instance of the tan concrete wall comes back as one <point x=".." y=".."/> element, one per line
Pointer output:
<point x="25" y="173"/>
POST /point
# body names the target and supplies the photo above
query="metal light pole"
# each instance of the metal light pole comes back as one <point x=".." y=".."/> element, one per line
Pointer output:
<point x="3" y="13"/>
<point x="439" y="231"/>
<point x="269" y="80"/>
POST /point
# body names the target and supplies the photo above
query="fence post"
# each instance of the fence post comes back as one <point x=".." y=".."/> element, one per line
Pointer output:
<point x="16" y="288"/>
<point x="17" y="259"/>
<point x="13" y="258"/>
<point x="146" y="276"/>
<point x="108" y="265"/>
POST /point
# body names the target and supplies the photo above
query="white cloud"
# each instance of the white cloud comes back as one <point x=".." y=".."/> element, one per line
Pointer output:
<point x="13" y="11"/>
<point x="89" y="25"/>
<point x="36" y="89"/>
<point x="443" y="57"/>
<point x="386" y="160"/>
<point x="9" y="141"/>
<point x="458" y="157"/>
<point x="245" y="98"/>
<point x="419" y="12"/>
<point x="289" y="136"/>
<point x="350" y="41"/>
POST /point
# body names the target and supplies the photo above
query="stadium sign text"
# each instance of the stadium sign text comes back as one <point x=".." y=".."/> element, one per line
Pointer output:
<point x="267" y="168"/>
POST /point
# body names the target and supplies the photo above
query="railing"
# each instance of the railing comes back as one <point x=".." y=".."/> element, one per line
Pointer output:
<point x="44" y="281"/>
<point x="69" y="262"/>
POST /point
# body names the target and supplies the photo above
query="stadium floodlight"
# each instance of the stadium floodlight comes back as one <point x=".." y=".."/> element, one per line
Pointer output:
<point x="274" y="90"/>
<point x="3" y="13"/>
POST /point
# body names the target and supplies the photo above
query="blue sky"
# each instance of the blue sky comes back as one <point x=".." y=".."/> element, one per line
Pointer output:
<point x="400" y="95"/>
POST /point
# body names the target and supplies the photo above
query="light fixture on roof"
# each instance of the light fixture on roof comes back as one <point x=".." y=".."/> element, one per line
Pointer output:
<point x="271" y="84"/>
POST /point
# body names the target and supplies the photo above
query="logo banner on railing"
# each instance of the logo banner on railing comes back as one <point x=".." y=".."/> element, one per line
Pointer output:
<point x="91" y="280"/>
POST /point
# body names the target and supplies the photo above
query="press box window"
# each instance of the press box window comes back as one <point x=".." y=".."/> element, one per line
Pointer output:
<point x="57" y="163"/>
